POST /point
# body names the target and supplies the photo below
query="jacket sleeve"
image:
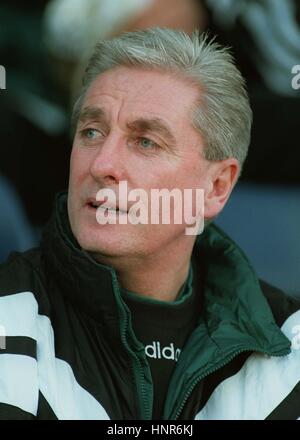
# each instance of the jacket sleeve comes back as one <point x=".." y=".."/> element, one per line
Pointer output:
<point x="19" y="389"/>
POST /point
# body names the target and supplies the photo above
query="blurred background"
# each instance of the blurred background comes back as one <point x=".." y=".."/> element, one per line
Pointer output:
<point x="44" y="46"/>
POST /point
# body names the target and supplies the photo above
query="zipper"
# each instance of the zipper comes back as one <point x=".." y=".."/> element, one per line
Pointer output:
<point x="146" y="412"/>
<point x="212" y="370"/>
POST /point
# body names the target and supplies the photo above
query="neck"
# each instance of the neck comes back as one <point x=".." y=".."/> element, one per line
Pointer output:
<point x="158" y="283"/>
<point x="157" y="277"/>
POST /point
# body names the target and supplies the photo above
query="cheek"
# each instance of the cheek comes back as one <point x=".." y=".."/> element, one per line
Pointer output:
<point x="181" y="179"/>
<point x="195" y="173"/>
<point x="79" y="167"/>
<point x="157" y="174"/>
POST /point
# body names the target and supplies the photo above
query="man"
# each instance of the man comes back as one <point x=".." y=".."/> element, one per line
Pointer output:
<point x="118" y="317"/>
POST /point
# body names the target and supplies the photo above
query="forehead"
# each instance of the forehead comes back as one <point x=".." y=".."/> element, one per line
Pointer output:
<point x="138" y="92"/>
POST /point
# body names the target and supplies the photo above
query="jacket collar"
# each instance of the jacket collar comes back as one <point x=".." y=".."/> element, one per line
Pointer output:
<point x="87" y="284"/>
<point x="235" y="306"/>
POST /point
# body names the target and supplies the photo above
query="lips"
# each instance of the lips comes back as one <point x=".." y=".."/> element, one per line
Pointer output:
<point x="95" y="204"/>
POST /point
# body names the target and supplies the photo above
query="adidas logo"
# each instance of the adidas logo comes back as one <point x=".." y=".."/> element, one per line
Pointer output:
<point x="155" y="351"/>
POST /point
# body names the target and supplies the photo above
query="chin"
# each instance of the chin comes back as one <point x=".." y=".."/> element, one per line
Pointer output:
<point x="107" y="240"/>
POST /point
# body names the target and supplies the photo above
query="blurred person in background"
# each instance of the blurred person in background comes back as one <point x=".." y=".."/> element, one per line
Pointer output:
<point x="265" y="38"/>
<point x="34" y="126"/>
<point x="72" y="28"/>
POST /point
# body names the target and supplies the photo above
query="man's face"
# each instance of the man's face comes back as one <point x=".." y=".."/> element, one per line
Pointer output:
<point x="135" y="126"/>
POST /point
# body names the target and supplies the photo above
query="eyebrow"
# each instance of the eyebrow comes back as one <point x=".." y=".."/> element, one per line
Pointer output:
<point x="95" y="113"/>
<point x="156" y="125"/>
<point x="141" y="125"/>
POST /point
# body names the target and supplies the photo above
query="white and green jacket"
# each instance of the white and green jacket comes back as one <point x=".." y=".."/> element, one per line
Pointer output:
<point x="68" y="351"/>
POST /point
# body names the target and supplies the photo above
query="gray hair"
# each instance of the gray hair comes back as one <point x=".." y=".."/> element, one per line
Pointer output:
<point x="222" y="115"/>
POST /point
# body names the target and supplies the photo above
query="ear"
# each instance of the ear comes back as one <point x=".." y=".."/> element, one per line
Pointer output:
<point x="223" y="175"/>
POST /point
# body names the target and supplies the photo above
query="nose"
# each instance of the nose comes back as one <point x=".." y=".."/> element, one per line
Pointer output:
<point x="108" y="165"/>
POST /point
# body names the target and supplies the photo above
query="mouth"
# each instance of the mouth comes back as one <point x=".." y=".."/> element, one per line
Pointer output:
<point x="94" y="205"/>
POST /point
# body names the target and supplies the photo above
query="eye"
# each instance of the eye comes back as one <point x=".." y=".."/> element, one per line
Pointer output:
<point x="90" y="133"/>
<point x="146" y="143"/>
